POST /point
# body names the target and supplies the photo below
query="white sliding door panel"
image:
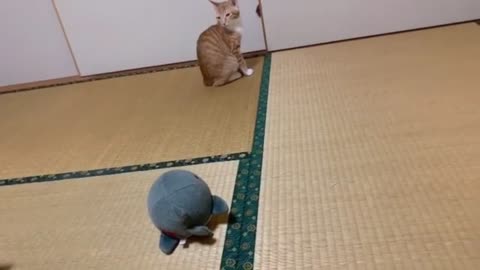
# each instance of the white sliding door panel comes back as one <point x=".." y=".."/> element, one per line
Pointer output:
<point x="114" y="35"/>
<point x="253" y="36"/>
<point x="305" y="22"/>
<point x="32" y="44"/>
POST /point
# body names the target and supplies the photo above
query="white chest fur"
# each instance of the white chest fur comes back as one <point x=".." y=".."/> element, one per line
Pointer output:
<point x="238" y="29"/>
<point x="236" y="26"/>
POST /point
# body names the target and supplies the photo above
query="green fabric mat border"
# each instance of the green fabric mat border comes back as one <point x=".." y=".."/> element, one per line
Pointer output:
<point x="239" y="249"/>
<point x="124" y="169"/>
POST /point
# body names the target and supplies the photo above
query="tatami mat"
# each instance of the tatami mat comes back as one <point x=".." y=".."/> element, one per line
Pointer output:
<point x="100" y="223"/>
<point x="372" y="155"/>
<point x="129" y="120"/>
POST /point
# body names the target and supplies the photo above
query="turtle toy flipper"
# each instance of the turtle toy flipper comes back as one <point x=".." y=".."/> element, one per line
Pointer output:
<point x="219" y="206"/>
<point x="168" y="244"/>
<point x="200" y="231"/>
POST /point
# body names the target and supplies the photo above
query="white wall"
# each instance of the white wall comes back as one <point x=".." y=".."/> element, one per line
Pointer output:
<point x="112" y="35"/>
<point x="297" y="23"/>
<point x="32" y="44"/>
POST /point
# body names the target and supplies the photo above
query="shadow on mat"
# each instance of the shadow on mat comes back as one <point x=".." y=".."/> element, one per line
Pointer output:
<point x="6" y="266"/>
<point x="254" y="61"/>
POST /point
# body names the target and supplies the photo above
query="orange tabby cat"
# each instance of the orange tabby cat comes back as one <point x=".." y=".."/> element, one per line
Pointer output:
<point x="218" y="47"/>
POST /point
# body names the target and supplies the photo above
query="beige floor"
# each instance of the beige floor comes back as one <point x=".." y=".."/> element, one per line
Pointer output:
<point x="100" y="223"/>
<point x="124" y="121"/>
<point x="372" y="155"/>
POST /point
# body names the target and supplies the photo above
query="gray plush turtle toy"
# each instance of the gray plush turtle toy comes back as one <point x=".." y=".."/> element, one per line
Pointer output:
<point x="180" y="205"/>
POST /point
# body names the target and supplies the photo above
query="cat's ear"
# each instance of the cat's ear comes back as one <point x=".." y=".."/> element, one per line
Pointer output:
<point x="214" y="3"/>
<point x="233" y="2"/>
<point x="215" y="6"/>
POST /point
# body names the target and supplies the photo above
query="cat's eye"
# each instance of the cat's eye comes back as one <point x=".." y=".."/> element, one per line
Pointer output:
<point x="228" y="14"/>
<point x="218" y="18"/>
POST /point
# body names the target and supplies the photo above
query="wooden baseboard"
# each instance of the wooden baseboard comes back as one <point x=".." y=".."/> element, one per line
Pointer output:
<point x="186" y="64"/>
<point x="79" y="79"/>
<point x="37" y="84"/>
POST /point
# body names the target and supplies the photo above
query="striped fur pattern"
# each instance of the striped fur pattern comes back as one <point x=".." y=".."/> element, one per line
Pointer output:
<point x="218" y="47"/>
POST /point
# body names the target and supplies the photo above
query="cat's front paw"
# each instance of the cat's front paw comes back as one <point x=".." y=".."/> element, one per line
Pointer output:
<point x="249" y="72"/>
